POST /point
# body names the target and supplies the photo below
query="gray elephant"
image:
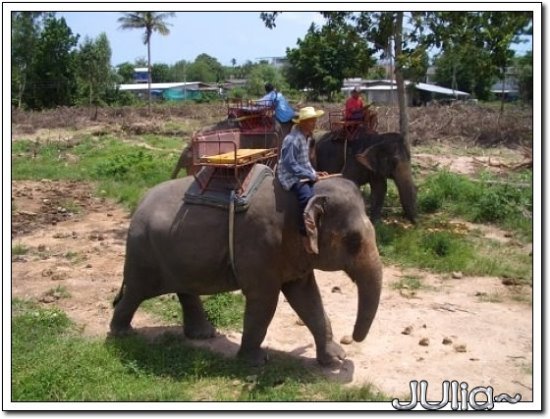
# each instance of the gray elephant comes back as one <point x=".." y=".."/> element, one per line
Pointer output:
<point x="174" y="246"/>
<point x="370" y="158"/>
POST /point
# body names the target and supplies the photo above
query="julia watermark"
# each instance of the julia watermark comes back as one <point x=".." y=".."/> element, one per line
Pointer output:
<point x="457" y="394"/>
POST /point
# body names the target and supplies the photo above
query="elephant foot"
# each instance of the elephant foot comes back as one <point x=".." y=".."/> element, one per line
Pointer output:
<point x="121" y="331"/>
<point x="255" y="358"/>
<point x="203" y="331"/>
<point x="332" y="354"/>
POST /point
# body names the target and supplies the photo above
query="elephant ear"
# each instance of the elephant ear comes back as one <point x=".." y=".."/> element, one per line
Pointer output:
<point x="363" y="158"/>
<point x="379" y="158"/>
<point x="312" y="218"/>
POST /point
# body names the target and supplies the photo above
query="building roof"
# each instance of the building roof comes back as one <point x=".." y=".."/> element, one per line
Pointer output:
<point x="160" y="86"/>
<point x="441" y="90"/>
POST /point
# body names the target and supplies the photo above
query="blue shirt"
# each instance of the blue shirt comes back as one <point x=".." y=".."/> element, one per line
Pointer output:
<point x="294" y="163"/>
<point x="283" y="111"/>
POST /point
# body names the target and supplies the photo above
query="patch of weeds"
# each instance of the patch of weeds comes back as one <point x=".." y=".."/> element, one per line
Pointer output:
<point x="493" y="297"/>
<point x="58" y="292"/>
<point x="409" y="282"/>
<point x="71" y="206"/>
<point x="225" y="310"/>
<point x="75" y="257"/>
<point x="167" y="307"/>
<point x="488" y="199"/>
<point x="19" y="249"/>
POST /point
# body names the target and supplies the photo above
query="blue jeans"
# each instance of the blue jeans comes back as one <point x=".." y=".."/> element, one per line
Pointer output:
<point x="304" y="192"/>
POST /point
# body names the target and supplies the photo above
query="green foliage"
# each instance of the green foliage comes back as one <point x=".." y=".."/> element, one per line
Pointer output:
<point x="438" y="246"/>
<point x="326" y="56"/>
<point x="485" y="200"/>
<point x="51" y="362"/>
<point x="25" y="34"/>
<point x="205" y="68"/>
<point x="225" y="310"/>
<point x="525" y="77"/>
<point x="262" y="74"/>
<point x="52" y="80"/>
<point x="126" y="72"/>
<point x="93" y="68"/>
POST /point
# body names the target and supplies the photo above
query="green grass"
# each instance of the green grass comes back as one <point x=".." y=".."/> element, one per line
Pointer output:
<point x="52" y="362"/>
<point x="489" y="199"/>
<point x="436" y="246"/>
<point x="122" y="170"/>
<point x="409" y="282"/>
<point x="223" y="310"/>
<point x="18" y="249"/>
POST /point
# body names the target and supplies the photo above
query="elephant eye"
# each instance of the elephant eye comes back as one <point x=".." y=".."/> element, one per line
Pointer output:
<point x="352" y="242"/>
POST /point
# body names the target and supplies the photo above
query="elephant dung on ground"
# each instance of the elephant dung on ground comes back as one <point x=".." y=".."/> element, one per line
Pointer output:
<point x="370" y="157"/>
<point x="177" y="247"/>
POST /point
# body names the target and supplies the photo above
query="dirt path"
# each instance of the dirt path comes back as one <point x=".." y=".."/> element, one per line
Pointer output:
<point x="448" y="330"/>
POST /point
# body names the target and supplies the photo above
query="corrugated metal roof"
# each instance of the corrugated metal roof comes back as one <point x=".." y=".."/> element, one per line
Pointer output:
<point x="162" y="86"/>
<point x="441" y="90"/>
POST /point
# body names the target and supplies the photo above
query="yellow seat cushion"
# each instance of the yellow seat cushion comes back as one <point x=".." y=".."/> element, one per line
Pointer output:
<point x="243" y="155"/>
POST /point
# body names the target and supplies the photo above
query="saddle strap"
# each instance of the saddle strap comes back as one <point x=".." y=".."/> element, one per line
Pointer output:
<point x="231" y="235"/>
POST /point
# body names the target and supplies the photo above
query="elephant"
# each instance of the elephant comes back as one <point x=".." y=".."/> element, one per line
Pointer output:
<point x="270" y="139"/>
<point x="369" y="157"/>
<point x="174" y="246"/>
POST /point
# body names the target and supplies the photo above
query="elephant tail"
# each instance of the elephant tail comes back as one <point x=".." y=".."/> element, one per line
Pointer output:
<point x="119" y="295"/>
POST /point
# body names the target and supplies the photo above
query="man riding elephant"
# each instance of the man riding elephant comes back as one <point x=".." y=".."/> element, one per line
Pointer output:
<point x="294" y="170"/>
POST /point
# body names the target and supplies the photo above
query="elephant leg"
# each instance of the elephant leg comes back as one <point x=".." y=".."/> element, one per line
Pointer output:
<point x="378" y="188"/>
<point x="259" y="310"/>
<point x="304" y="297"/>
<point x="124" y="312"/>
<point x="195" y="323"/>
<point x="140" y="283"/>
<point x="402" y="177"/>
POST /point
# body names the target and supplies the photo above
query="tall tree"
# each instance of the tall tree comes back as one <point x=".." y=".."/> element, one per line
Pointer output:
<point x="325" y="57"/>
<point x="94" y="70"/>
<point x="53" y="74"/>
<point x="498" y="31"/>
<point x="25" y="32"/>
<point x="151" y="22"/>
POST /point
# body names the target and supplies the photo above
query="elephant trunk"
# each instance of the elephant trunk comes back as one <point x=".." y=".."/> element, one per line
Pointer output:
<point x="369" y="286"/>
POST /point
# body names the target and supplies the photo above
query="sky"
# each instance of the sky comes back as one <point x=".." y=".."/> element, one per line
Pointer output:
<point x="225" y="36"/>
<point x="235" y="31"/>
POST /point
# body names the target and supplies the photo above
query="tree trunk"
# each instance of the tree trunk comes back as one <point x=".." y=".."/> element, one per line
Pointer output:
<point x="401" y="94"/>
<point x="149" y="74"/>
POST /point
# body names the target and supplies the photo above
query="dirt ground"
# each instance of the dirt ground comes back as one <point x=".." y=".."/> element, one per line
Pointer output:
<point x="446" y="331"/>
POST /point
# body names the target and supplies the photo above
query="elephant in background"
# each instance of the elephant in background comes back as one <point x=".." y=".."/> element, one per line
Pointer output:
<point x="178" y="247"/>
<point x="370" y="157"/>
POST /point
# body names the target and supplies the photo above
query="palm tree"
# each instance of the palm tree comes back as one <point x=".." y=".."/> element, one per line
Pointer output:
<point x="151" y="22"/>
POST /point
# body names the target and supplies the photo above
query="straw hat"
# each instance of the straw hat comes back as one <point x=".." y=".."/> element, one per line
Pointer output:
<point x="308" y="112"/>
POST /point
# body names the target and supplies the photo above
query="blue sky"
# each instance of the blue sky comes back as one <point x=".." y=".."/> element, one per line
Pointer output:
<point x="223" y="35"/>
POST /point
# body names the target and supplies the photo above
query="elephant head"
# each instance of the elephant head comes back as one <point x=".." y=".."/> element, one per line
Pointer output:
<point x="371" y="158"/>
<point x="343" y="238"/>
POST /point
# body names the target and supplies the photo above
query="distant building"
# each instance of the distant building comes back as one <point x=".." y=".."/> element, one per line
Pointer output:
<point x="509" y="88"/>
<point x="169" y="91"/>
<point x="277" y="62"/>
<point x="384" y="92"/>
<point x="141" y="75"/>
